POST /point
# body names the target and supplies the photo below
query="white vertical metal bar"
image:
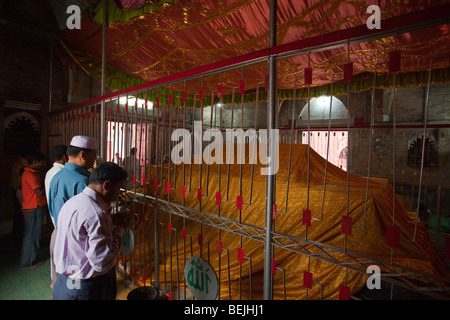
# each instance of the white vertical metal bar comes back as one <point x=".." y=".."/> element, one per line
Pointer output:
<point x="394" y="125"/>
<point x="102" y="93"/>
<point x="271" y="112"/>
<point x="308" y="182"/>
<point x="348" y="136"/>
<point x="327" y="147"/>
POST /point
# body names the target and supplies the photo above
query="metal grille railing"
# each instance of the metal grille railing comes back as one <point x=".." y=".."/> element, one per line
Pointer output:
<point x="208" y="210"/>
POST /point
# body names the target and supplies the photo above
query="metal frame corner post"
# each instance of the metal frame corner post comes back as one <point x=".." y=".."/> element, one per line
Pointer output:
<point x="270" y="178"/>
<point x="102" y="110"/>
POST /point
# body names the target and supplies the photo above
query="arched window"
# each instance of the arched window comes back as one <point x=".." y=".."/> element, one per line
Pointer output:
<point x="415" y="147"/>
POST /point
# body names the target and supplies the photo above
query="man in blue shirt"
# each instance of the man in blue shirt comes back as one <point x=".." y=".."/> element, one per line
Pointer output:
<point x="72" y="179"/>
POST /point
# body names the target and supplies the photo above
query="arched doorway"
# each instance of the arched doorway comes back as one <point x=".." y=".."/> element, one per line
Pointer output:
<point x="21" y="131"/>
<point x="320" y="109"/>
<point x="336" y="142"/>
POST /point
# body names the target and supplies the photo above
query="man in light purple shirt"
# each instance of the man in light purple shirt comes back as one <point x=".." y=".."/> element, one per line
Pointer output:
<point x="89" y="239"/>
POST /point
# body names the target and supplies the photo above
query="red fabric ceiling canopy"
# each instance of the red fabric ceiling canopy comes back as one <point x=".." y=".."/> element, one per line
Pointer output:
<point x="146" y="42"/>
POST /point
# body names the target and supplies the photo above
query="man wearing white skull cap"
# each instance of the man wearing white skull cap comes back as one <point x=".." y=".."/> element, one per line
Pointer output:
<point x="74" y="177"/>
<point x="84" y="142"/>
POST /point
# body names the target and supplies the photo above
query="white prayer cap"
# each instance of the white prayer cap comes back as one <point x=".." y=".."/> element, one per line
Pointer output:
<point x="84" y="142"/>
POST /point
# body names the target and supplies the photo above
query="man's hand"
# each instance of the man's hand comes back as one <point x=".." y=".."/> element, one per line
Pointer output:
<point x="123" y="219"/>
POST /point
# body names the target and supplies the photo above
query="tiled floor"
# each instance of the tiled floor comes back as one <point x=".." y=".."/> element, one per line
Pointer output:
<point x="34" y="284"/>
<point x="18" y="284"/>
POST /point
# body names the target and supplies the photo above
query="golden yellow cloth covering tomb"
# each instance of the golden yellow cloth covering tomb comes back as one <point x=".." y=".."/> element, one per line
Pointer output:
<point x="323" y="239"/>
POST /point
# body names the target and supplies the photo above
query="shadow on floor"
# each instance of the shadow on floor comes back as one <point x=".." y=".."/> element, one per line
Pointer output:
<point x="30" y="284"/>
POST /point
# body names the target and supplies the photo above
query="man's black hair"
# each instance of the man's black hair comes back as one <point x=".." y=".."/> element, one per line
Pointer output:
<point x="59" y="151"/>
<point x="74" y="151"/>
<point x="107" y="171"/>
<point x="35" y="156"/>
<point x="25" y="151"/>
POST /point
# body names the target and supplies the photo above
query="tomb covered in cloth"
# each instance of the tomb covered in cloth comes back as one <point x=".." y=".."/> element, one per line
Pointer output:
<point x="333" y="226"/>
